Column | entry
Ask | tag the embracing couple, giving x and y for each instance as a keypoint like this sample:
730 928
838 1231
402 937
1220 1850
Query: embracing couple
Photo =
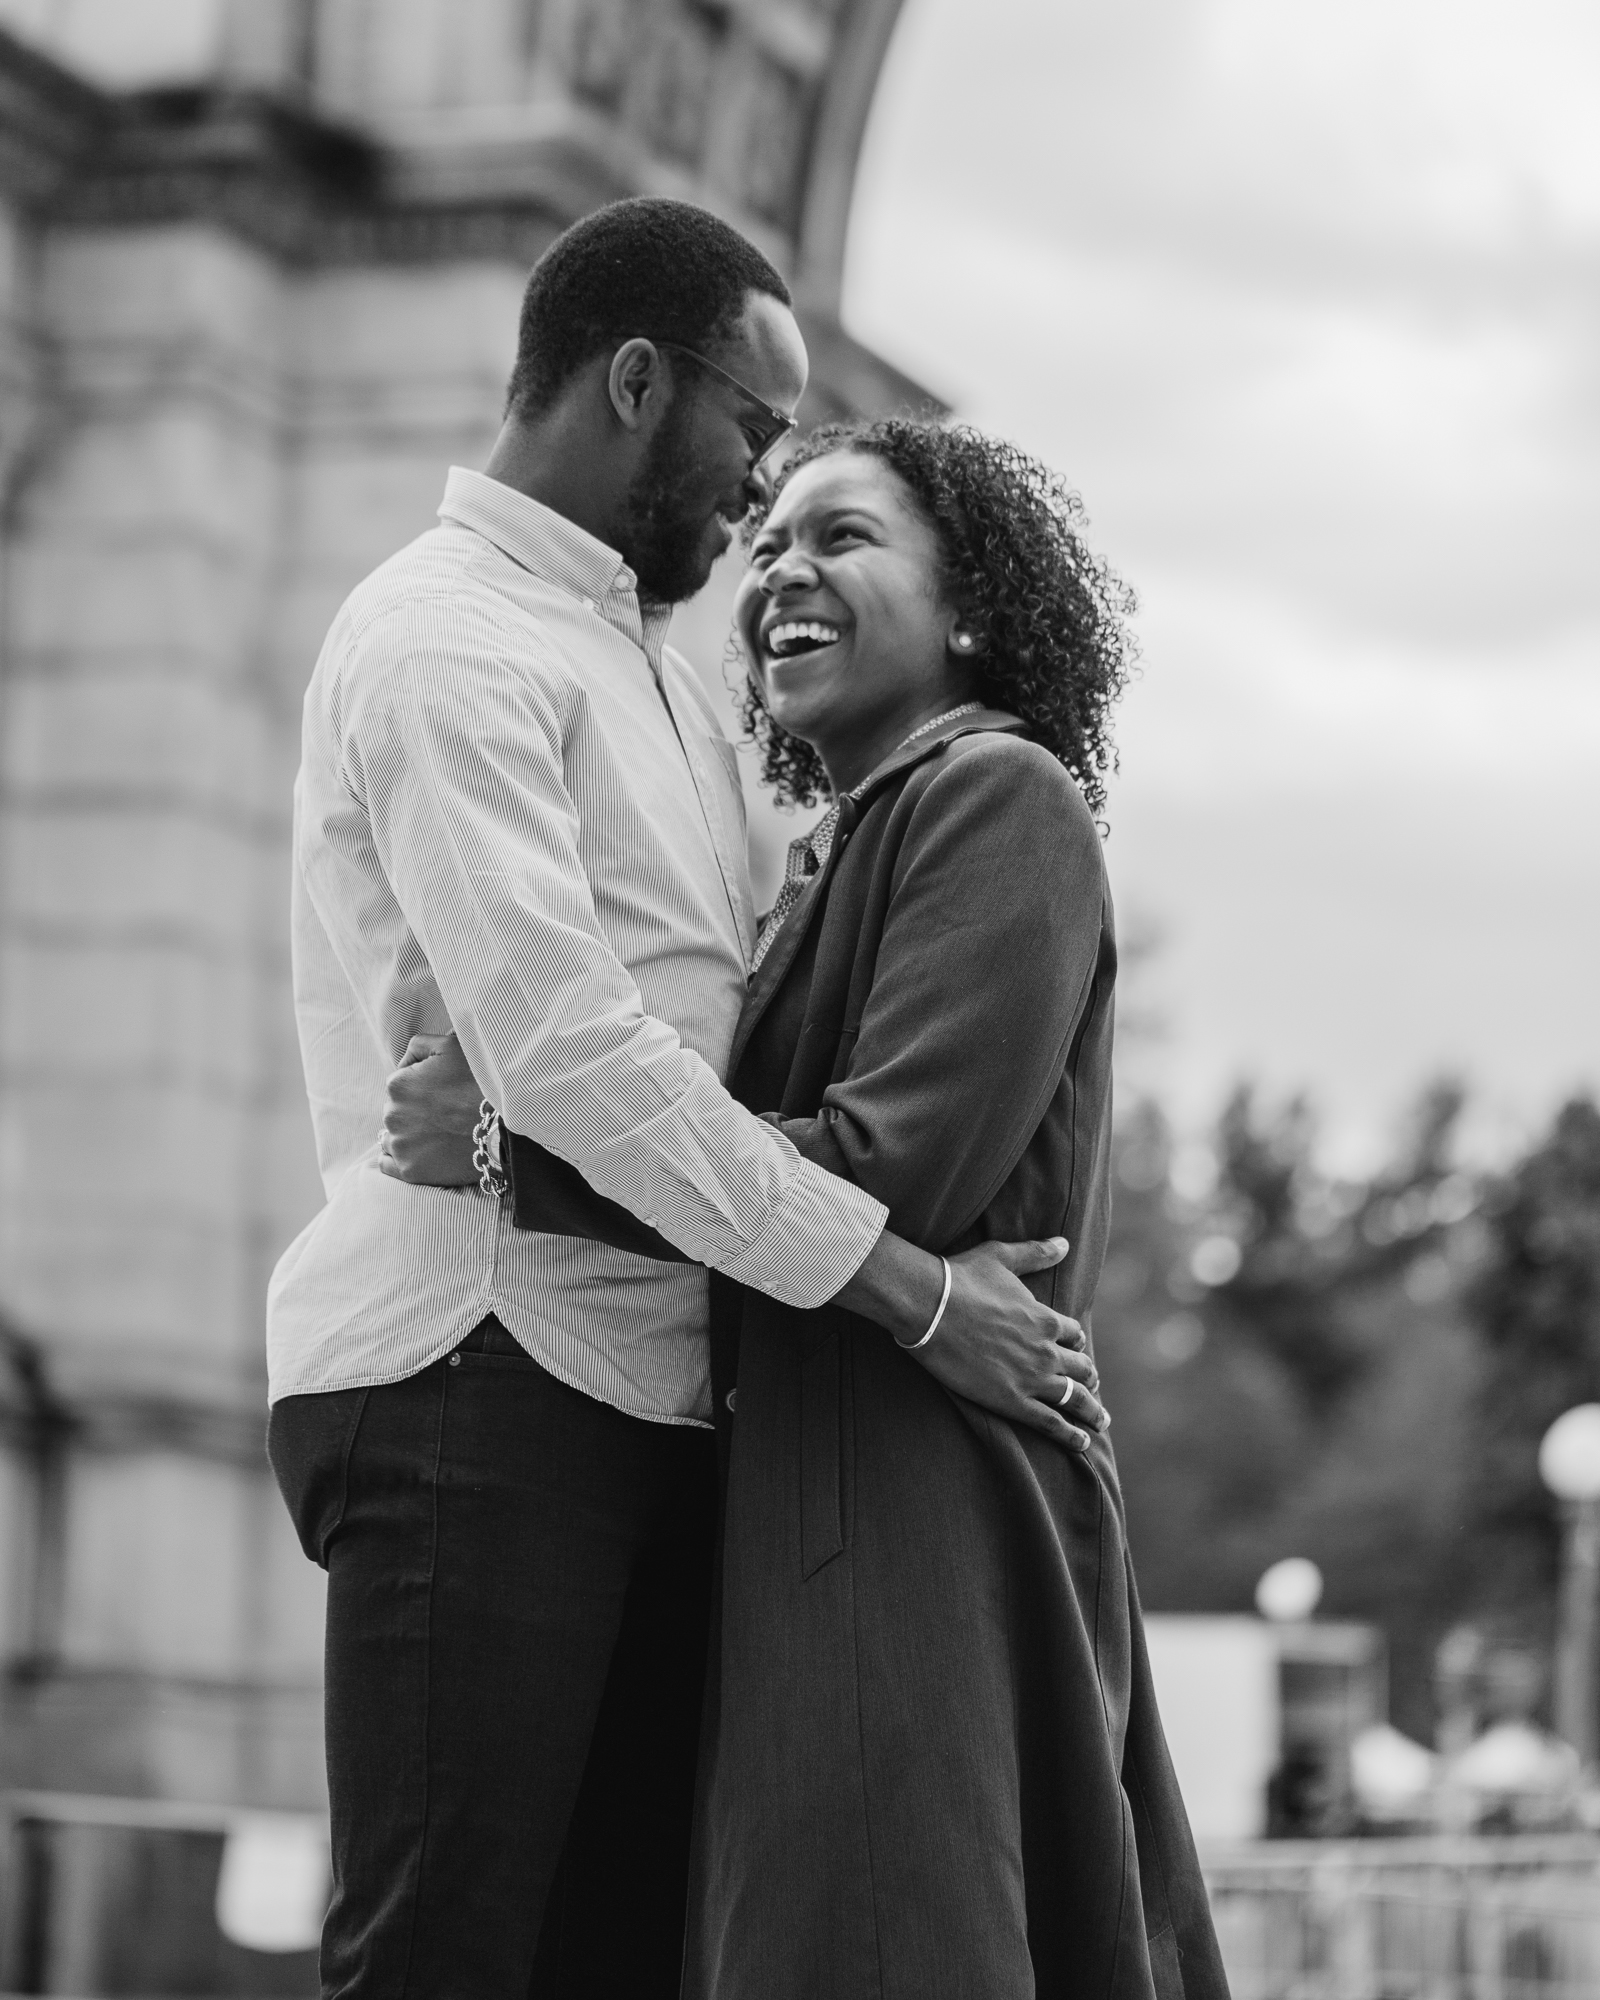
727 1580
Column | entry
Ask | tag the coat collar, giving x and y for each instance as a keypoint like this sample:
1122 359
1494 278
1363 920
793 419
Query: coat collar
923 747
773 969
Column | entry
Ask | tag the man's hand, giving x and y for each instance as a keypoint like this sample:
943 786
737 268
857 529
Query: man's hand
430 1114
996 1344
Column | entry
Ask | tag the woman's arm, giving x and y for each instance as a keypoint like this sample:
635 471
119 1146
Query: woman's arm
987 960
987 963
998 1345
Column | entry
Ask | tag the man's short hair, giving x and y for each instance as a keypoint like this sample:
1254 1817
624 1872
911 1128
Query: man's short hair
664 270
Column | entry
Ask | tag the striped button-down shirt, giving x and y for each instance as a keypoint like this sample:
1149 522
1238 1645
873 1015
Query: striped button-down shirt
516 816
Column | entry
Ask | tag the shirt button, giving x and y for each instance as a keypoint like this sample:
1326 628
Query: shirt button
731 1401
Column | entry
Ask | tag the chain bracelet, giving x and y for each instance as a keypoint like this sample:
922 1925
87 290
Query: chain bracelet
493 1180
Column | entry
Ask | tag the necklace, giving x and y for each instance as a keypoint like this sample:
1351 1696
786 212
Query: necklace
950 714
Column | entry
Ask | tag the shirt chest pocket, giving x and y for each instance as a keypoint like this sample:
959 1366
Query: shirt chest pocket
722 759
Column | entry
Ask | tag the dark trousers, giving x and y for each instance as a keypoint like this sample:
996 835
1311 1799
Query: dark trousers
518 1596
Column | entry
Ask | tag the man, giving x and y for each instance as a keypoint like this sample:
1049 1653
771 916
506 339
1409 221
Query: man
516 818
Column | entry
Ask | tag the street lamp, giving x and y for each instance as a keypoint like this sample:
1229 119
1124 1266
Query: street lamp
1289 1591
1569 1464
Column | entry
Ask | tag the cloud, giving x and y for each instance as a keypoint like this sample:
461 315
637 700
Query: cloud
1302 300
1414 470
1370 124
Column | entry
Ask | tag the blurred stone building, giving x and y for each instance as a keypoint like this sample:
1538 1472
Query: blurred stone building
259 269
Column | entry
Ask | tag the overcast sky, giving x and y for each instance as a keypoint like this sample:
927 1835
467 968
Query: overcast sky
1304 300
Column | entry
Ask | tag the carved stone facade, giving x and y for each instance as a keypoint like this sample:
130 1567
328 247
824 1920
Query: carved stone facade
246 320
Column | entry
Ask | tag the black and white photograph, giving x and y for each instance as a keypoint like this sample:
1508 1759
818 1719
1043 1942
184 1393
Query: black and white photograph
800 999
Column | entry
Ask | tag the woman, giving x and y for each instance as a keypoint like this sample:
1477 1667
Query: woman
932 1764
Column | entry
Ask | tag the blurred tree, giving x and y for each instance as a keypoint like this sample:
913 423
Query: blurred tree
1537 1304
1291 1370
1307 1250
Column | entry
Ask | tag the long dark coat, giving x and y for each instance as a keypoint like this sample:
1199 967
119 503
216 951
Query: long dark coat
933 1765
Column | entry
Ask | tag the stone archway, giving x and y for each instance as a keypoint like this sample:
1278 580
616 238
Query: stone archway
248 318
514 117
845 104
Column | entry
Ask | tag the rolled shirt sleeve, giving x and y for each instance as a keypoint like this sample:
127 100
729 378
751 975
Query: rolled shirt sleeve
451 745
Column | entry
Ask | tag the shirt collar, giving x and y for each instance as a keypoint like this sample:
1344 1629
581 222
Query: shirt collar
535 536
557 551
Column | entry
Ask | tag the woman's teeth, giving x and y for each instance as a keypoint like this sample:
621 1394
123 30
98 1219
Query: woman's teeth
799 636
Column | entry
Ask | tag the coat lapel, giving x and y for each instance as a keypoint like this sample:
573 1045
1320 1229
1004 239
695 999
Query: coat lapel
771 972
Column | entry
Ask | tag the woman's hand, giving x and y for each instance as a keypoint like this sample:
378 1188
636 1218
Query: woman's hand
1023 1361
430 1114
996 1344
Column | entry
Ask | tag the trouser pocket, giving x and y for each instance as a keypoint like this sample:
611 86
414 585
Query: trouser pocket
309 1441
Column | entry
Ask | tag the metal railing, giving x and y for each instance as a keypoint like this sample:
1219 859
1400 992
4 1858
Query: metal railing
1424 1919
130 1896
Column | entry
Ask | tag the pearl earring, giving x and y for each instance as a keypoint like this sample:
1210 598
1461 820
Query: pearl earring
964 641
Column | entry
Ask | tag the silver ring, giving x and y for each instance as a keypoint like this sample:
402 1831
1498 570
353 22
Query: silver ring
1066 1396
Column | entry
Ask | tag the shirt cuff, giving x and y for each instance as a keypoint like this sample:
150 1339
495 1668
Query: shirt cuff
815 1242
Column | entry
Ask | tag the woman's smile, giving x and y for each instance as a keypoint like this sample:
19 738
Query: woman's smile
798 658
843 616
790 636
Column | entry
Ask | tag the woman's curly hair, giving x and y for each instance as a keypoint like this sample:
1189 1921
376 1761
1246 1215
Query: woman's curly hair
1055 617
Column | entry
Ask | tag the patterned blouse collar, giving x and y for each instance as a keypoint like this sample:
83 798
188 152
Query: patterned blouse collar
808 853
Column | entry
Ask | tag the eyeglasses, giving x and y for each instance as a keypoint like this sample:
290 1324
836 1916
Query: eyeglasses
774 426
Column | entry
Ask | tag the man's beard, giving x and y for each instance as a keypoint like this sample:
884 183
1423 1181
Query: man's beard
666 539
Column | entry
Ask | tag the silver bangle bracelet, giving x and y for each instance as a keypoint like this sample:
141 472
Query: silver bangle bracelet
911 1346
